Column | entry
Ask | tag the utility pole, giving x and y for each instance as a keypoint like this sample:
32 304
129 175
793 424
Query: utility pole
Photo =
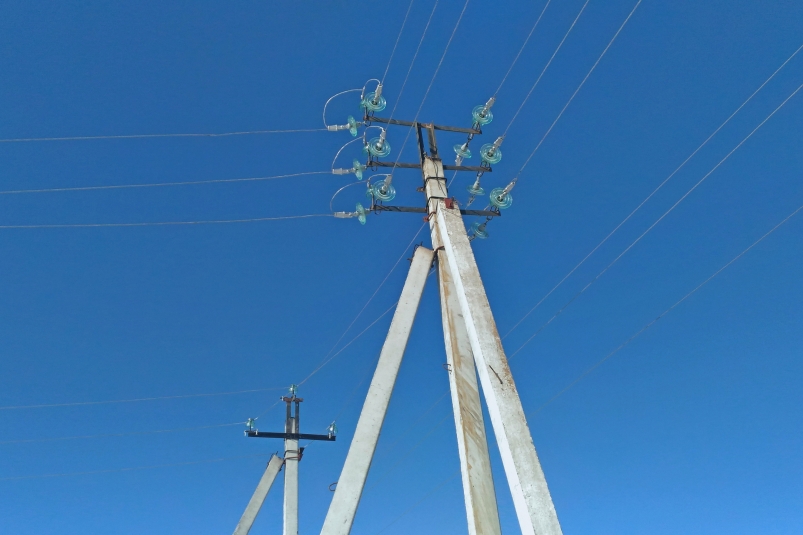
292 456
473 346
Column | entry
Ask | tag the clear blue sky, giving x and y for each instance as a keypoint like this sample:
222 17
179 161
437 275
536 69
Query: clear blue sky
694 427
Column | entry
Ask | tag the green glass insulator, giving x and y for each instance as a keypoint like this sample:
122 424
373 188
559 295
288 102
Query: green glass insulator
500 199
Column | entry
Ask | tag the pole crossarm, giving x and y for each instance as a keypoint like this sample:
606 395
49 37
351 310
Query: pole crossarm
403 165
289 436
422 210
415 124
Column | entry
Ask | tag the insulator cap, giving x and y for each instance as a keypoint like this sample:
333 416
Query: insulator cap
352 126
360 214
500 199
382 191
479 230
378 147
490 153
482 115
374 102
475 189
462 150
357 168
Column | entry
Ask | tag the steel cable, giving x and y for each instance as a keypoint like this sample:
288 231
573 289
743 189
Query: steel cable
163 184
615 260
661 185
548 63
148 136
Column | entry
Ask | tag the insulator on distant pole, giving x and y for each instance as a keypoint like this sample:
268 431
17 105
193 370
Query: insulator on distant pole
332 430
490 153
482 114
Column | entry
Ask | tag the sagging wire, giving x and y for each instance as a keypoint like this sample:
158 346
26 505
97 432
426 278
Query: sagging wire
352 125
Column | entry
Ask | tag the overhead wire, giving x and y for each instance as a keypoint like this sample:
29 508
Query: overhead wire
661 185
398 37
163 223
107 435
161 184
432 81
548 63
129 469
133 400
327 358
621 346
665 312
409 452
527 40
582 83
148 136
638 239
415 55
419 502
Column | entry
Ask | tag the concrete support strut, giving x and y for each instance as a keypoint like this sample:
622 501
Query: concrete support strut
256 501
531 498
472 444
343 508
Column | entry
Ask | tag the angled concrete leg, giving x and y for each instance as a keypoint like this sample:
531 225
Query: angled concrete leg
531 498
343 508
475 462
255 504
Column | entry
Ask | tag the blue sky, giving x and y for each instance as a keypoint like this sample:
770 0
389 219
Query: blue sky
693 427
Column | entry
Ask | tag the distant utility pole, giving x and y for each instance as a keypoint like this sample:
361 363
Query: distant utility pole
292 456
473 345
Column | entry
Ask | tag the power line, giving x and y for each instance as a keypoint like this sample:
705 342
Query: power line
164 223
609 355
107 435
412 426
527 40
163 184
548 63
326 359
419 502
661 185
130 469
665 312
415 55
627 19
615 260
401 30
148 136
133 400
432 81
408 453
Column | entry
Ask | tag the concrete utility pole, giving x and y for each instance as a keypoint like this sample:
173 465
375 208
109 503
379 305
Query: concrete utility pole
343 508
473 348
531 498
292 456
